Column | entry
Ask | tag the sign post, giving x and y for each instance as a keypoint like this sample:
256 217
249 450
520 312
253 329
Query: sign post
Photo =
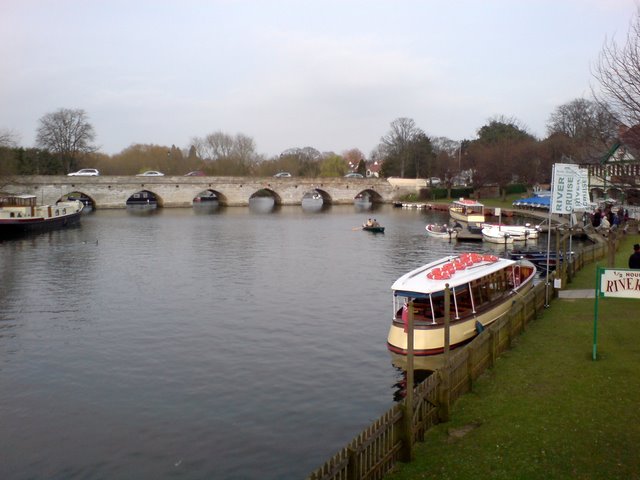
615 283
569 192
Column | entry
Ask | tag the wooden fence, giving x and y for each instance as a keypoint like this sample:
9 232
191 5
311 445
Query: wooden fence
376 450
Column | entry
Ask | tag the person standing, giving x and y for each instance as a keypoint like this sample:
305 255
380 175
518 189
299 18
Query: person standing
634 259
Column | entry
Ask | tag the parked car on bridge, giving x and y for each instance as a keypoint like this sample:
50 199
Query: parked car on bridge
283 175
150 173
85 172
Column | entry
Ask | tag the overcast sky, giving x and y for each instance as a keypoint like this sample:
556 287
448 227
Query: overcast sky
327 74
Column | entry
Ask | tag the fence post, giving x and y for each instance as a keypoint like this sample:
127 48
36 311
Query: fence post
444 397
353 472
492 347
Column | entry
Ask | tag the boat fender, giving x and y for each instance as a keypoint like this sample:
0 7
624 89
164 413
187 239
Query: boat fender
479 327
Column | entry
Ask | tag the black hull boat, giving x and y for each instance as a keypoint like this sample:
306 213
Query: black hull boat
20 215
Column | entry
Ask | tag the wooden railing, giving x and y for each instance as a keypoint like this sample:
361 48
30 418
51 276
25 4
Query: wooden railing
376 450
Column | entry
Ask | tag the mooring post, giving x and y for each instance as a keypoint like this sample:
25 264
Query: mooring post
407 444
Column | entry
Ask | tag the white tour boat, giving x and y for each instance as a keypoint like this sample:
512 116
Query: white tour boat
482 288
468 211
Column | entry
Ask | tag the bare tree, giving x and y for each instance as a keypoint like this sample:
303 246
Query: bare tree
588 124
68 134
397 141
618 73
8 138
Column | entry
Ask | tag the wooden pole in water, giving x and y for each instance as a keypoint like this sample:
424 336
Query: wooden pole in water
445 378
407 454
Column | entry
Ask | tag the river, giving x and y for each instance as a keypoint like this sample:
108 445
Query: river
190 344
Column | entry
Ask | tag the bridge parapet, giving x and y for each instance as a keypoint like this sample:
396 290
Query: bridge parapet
178 191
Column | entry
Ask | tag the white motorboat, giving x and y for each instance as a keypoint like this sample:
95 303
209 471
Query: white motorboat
444 232
518 232
496 235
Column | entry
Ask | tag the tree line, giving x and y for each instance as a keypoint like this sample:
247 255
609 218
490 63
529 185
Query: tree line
581 130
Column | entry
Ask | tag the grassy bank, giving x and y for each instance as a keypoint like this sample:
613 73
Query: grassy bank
547 410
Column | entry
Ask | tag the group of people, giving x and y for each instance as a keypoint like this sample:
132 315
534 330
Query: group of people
372 223
603 221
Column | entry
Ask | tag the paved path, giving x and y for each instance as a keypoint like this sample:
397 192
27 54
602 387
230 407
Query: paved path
577 293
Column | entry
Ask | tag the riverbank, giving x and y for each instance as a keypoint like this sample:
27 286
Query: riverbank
547 410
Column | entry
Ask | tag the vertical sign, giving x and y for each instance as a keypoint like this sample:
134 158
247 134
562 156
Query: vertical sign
569 188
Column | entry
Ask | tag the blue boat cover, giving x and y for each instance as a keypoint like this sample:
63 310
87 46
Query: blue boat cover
535 202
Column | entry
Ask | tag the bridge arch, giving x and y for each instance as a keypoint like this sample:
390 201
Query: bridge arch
79 195
144 197
210 195
267 192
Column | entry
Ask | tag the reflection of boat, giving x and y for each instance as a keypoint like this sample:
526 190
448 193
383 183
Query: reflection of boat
21 214
517 232
496 235
468 211
482 290
444 232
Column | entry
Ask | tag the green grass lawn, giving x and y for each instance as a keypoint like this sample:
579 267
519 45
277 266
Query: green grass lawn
547 410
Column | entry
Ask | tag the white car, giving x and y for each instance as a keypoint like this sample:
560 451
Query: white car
151 173
85 172
282 175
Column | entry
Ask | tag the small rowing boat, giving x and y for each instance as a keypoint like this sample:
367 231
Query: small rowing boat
444 232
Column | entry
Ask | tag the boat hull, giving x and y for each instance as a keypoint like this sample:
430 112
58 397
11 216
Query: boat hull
493 235
21 226
373 229
429 340
449 234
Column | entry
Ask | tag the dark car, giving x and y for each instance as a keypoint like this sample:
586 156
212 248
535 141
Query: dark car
196 173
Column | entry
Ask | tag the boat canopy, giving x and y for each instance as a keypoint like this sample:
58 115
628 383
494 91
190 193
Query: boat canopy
452 270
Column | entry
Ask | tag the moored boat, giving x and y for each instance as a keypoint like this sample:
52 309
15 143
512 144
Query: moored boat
20 214
482 288
468 211
444 232
517 232
496 235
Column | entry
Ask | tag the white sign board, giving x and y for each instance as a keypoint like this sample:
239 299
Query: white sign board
569 188
620 283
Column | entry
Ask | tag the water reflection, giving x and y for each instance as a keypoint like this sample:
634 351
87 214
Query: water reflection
314 203
206 208
262 204
143 210
400 387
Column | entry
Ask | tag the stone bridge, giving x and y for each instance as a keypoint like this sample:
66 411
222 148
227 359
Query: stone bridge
170 191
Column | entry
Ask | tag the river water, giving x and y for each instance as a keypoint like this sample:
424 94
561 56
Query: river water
192 344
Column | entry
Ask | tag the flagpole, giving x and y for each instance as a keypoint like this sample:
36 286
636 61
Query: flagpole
546 285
